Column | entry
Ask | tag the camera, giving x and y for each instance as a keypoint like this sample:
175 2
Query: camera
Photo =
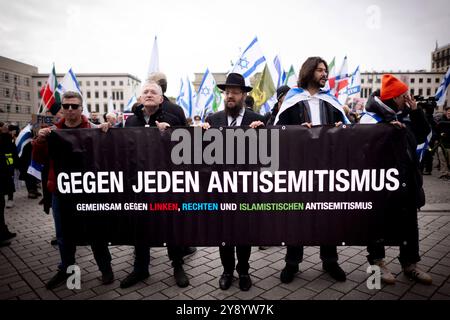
427 104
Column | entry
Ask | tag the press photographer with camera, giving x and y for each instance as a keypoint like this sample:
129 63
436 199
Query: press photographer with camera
443 127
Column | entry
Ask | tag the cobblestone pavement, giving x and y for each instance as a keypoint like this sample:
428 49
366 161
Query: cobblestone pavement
30 261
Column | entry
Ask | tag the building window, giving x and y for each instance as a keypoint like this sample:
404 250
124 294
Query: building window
17 109
437 80
370 80
420 80
121 95
88 95
39 84
96 94
420 91
412 80
97 107
105 94
8 108
428 92
89 107
428 80
6 77
88 83
114 95
378 80
104 83
27 82
412 91
6 93
16 79
113 83
27 96
121 107
80 83
121 83
26 109
96 83
105 107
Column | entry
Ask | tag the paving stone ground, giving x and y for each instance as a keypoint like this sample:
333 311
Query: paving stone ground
30 261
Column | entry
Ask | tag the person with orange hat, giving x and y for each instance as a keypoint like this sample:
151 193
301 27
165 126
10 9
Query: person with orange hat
393 104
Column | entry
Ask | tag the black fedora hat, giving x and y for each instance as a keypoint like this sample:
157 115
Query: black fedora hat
235 80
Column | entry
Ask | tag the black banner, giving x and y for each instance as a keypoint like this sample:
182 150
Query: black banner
285 185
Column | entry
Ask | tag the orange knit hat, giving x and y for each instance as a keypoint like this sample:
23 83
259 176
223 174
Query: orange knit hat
391 87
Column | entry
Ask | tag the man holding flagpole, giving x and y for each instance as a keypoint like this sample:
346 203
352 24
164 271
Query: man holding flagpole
309 106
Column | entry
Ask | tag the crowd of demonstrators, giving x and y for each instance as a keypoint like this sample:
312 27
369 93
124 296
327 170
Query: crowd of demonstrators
427 162
394 105
72 105
7 158
235 114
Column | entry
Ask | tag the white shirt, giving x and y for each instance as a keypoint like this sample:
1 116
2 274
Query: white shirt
238 119
314 106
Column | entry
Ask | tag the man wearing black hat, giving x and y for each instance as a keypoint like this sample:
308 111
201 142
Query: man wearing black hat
234 115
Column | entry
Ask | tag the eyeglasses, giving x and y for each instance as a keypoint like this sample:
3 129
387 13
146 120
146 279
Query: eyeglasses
68 105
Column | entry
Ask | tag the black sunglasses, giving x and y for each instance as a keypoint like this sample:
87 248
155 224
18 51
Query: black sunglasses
68 105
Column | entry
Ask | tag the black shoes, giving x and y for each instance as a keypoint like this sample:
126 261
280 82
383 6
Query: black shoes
188 251
225 281
180 277
58 279
335 271
288 274
133 278
245 283
107 277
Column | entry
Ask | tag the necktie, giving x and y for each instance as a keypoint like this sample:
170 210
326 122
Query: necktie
233 122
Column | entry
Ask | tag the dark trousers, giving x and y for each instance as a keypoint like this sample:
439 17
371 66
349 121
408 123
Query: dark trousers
294 255
409 249
3 227
67 248
142 257
228 260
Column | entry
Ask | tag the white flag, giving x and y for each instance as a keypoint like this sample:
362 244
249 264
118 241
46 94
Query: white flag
186 98
154 60
441 93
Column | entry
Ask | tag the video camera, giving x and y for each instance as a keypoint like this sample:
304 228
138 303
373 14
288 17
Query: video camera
427 104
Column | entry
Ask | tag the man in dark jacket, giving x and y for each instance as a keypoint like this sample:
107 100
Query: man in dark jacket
152 114
393 104
312 111
270 116
234 114
72 104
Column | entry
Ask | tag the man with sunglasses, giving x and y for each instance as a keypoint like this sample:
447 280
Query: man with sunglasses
72 119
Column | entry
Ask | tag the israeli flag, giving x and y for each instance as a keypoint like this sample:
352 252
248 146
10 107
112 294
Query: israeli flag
130 103
205 95
23 139
249 61
355 83
35 169
186 97
296 95
70 83
281 74
442 90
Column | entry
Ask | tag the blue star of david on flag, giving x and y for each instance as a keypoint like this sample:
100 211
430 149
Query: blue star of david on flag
243 63
205 91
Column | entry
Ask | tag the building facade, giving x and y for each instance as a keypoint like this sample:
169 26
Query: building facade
100 90
20 84
422 83
440 58
16 91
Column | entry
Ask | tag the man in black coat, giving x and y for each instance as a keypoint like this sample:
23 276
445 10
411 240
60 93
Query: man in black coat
234 115
151 114
314 111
